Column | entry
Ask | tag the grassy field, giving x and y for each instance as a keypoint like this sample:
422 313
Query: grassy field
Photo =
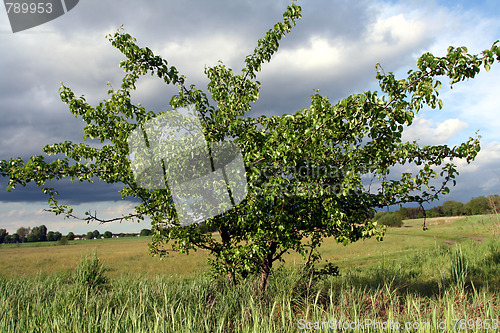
129 255
445 279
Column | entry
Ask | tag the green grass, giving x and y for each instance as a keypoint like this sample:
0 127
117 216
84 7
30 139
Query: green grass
442 274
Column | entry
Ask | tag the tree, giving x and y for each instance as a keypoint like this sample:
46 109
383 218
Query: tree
403 213
453 208
477 206
51 236
3 234
96 234
390 220
38 234
22 232
57 236
108 234
71 235
90 235
494 203
145 232
303 171
16 239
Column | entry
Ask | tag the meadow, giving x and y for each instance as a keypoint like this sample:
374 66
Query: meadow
439 280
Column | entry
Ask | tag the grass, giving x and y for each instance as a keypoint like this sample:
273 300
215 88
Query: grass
122 256
129 255
413 278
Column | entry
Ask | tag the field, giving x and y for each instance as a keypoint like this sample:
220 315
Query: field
442 279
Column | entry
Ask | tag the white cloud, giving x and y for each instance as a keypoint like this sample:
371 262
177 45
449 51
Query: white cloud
430 132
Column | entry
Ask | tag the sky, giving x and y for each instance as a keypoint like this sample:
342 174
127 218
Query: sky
334 48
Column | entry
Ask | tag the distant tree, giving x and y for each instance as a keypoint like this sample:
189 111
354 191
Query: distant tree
494 201
38 234
379 214
430 213
453 208
23 232
96 234
390 220
3 234
70 236
89 235
108 234
438 211
30 238
415 212
8 239
15 238
57 236
145 232
50 236
403 213
477 206
63 240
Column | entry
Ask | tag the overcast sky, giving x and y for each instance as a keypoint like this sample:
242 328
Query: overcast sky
333 48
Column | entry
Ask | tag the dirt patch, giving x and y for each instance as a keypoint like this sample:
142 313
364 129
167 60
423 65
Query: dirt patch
476 238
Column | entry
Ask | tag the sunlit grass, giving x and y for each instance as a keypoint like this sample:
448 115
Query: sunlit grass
129 255
418 277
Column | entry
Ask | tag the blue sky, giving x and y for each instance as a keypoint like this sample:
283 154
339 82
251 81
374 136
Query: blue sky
334 48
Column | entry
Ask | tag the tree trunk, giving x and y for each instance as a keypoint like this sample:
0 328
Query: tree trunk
267 264
226 238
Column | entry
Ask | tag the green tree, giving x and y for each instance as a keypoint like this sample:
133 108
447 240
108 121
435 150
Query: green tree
3 234
494 202
145 232
71 235
429 213
38 234
390 220
303 171
108 234
477 206
16 239
453 208
51 236
96 234
23 232
90 235
403 213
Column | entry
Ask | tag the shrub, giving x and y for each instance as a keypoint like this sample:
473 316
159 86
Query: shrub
390 220
63 241
90 273
378 215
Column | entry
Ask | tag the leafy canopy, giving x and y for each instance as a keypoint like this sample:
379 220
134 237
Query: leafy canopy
314 174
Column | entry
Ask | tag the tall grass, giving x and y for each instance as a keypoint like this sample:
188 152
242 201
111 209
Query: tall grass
427 290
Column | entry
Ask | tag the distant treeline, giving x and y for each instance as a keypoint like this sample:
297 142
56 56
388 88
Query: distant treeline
476 206
40 234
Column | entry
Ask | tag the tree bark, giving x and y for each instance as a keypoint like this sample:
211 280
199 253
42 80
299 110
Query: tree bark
226 238
267 264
